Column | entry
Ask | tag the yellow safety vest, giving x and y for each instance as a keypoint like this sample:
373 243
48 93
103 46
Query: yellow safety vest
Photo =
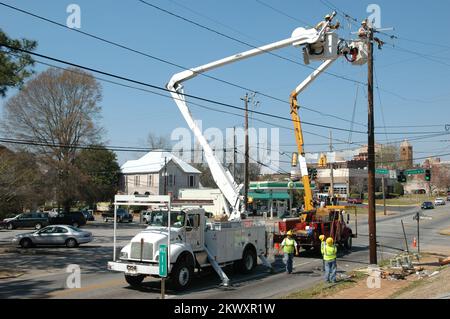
329 252
288 245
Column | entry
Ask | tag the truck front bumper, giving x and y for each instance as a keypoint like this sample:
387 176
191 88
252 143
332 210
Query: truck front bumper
133 268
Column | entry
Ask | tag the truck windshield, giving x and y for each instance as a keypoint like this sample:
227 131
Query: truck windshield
160 218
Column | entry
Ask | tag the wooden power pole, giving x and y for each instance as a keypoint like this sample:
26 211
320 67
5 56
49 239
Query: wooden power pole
246 175
371 156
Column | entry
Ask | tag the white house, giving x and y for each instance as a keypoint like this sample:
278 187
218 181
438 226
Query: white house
157 173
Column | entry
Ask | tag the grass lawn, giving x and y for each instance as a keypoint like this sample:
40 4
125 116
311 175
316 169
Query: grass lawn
322 289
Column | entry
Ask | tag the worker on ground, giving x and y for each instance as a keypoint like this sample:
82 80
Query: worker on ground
329 252
363 33
289 246
322 244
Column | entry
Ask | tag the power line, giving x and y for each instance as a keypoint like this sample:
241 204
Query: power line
283 13
197 97
242 42
167 90
158 59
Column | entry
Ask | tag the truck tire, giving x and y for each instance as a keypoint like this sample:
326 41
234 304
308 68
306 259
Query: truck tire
182 273
348 243
10 226
134 281
248 261
38 226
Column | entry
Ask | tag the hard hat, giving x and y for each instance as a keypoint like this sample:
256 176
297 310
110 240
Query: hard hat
322 237
364 22
327 17
289 233
330 241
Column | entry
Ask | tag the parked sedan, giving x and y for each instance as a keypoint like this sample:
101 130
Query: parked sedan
439 201
427 205
54 235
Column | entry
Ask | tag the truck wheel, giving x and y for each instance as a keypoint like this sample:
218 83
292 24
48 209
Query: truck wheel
75 224
10 226
348 243
248 261
38 226
134 281
105 220
182 275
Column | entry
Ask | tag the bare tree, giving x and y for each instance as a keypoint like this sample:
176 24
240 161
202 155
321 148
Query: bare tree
53 114
158 141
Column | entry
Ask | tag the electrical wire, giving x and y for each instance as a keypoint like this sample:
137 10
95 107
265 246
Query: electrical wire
167 90
158 59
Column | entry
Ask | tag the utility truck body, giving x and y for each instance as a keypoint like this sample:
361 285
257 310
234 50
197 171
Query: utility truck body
195 243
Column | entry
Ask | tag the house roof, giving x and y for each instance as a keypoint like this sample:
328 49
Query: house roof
153 162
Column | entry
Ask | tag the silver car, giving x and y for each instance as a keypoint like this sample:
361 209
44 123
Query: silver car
54 235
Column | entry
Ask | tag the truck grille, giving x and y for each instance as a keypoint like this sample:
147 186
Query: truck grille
147 251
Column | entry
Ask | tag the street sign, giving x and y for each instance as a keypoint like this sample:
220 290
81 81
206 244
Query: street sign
415 171
163 260
382 171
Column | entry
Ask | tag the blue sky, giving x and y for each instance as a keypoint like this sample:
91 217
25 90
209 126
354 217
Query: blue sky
414 77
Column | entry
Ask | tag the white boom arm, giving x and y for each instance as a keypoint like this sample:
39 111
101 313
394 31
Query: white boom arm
221 176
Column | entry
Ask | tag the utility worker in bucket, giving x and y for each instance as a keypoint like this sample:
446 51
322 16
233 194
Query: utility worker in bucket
289 247
329 252
322 244
326 20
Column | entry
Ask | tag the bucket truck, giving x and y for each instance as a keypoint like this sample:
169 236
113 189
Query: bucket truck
195 242
327 220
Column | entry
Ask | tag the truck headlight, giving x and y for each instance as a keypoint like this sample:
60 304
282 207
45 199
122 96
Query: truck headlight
123 255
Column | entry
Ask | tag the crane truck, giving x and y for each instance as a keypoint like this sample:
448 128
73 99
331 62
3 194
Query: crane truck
329 220
195 242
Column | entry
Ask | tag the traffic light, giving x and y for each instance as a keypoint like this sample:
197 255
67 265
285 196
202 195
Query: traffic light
401 178
314 174
428 175
294 160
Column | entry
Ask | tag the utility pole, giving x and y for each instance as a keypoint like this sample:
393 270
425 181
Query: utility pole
246 178
234 153
384 195
331 168
165 175
371 155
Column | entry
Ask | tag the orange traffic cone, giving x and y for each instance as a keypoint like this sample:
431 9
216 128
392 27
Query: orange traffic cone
414 242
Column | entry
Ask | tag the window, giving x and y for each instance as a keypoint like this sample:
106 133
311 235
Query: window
171 181
149 180
191 180
60 230
137 180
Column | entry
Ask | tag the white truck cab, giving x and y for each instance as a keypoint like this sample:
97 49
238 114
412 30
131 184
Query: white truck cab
195 243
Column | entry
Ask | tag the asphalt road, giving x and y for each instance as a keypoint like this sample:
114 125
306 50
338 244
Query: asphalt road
46 267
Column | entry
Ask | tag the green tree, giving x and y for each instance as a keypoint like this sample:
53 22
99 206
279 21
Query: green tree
14 65
98 174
